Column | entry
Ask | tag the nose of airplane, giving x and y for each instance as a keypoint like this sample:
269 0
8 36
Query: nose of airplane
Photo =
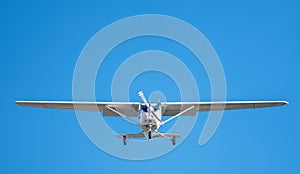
151 109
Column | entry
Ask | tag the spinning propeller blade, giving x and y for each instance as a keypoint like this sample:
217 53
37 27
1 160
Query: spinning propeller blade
141 94
150 108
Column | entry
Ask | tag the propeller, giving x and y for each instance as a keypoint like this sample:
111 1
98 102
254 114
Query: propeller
150 108
141 94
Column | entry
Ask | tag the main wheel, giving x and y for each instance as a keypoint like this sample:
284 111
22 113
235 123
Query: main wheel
125 140
174 140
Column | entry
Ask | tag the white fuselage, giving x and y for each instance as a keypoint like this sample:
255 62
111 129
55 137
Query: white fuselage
150 118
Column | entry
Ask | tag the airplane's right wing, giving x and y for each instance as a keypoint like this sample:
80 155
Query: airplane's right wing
173 108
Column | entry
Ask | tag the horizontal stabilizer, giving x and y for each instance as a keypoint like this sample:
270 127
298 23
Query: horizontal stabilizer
153 136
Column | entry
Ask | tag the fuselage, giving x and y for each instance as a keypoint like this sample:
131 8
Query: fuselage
150 117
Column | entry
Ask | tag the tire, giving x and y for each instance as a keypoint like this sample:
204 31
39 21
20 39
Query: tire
149 135
124 140
174 140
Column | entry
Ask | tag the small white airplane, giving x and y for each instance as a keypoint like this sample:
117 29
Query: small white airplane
150 114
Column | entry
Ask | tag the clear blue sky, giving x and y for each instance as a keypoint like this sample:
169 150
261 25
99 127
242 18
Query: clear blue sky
257 42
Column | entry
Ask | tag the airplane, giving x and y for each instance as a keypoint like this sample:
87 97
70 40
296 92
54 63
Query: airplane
150 114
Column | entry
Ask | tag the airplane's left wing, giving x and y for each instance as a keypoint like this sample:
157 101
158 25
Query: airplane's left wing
128 108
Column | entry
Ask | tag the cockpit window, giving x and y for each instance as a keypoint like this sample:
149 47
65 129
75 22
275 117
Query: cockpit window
144 108
156 108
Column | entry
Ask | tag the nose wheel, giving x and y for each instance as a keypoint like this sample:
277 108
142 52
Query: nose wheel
149 126
149 135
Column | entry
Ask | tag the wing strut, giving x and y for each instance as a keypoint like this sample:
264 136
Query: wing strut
122 115
180 113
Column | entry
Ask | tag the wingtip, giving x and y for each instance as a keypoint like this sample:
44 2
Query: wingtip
17 102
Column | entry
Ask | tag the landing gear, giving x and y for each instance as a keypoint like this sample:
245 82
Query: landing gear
125 139
173 140
149 135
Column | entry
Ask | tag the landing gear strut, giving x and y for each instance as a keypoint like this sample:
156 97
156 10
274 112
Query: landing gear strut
173 140
125 139
149 135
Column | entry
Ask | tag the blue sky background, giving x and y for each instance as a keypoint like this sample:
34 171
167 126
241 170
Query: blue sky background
257 43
